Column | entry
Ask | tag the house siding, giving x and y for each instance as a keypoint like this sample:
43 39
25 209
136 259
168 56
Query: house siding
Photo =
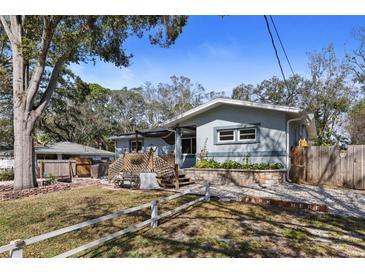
271 143
159 144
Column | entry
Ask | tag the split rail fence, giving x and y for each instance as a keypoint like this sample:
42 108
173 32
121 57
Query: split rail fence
16 247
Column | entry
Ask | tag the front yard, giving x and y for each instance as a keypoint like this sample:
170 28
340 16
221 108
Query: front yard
214 229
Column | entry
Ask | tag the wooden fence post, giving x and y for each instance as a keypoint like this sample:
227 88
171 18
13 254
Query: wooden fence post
207 192
177 182
154 213
17 252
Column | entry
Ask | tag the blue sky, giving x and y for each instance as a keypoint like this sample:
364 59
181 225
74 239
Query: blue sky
221 53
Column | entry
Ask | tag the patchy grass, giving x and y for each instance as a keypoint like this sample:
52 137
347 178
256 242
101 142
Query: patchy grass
214 229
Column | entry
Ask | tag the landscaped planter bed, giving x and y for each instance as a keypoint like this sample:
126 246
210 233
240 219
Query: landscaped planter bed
241 177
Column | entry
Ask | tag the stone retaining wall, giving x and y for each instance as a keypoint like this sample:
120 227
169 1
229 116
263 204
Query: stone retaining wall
240 177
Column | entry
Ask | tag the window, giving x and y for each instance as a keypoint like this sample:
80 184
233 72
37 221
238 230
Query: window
133 146
237 135
226 135
188 145
247 134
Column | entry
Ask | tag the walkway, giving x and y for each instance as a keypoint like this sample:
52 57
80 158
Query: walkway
343 202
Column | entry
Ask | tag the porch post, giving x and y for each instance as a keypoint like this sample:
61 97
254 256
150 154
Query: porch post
136 136
178 159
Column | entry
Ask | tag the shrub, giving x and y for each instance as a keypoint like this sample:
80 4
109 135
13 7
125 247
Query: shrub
204 163
6 175
50 180
231 165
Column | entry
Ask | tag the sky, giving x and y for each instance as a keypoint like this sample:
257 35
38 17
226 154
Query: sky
223 52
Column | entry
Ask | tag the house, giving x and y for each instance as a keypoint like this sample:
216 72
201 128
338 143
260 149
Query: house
6 156
58 151
226 129
68 150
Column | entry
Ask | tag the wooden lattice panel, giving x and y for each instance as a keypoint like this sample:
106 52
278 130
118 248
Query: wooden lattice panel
162 167
116 168
136 163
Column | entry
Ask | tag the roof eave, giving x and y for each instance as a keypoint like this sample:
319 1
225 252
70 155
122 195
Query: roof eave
220 101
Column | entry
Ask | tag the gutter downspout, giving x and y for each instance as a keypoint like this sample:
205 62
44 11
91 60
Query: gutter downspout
287 144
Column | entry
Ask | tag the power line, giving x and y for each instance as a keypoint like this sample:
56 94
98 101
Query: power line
276 52
282 45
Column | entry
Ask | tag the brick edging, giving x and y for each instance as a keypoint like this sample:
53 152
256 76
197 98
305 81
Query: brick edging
17 194
286 204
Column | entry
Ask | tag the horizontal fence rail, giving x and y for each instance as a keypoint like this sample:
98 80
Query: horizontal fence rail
16 247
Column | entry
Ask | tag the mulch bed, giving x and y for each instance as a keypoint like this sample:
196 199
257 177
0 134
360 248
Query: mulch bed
7 192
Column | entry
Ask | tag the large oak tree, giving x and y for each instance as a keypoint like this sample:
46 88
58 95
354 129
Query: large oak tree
41 46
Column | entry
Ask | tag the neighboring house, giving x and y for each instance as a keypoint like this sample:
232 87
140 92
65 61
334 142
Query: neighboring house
58 151
226 129
68 150
6 156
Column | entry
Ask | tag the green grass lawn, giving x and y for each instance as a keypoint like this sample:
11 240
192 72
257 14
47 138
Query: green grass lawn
214 229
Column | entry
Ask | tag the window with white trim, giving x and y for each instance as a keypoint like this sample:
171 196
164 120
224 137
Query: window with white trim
247 134
237 135
226 135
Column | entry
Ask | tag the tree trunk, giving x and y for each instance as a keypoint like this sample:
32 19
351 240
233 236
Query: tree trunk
24 173
24 164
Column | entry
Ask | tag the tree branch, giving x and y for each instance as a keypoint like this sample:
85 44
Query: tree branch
38 71
7 29
49 90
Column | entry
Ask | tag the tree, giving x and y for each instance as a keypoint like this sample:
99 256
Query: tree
356 123
276 91
357 59
6 106
243 92
88 114
329 93
272 91
170 99
41 46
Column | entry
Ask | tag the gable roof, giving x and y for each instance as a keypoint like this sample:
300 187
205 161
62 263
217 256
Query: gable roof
226 101
69 148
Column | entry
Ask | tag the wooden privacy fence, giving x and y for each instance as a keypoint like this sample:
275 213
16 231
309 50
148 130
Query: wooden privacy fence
320 165
16 247
64 169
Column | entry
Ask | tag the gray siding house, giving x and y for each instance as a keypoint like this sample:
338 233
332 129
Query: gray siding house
226 129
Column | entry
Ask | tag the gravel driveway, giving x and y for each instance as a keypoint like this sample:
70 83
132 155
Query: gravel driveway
343 202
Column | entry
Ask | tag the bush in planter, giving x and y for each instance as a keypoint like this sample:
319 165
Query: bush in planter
231 165
277 166
262 166
6 175
205 163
